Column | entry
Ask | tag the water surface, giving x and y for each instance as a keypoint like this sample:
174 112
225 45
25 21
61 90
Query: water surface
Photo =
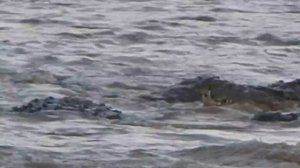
114 51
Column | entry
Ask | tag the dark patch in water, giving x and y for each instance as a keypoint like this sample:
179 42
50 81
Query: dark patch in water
74 35
86 27
273 117
82 62
152 27
125 86
152 9
63 4
222 39
198 18
228 10
36 21
271 39
138 37
8 13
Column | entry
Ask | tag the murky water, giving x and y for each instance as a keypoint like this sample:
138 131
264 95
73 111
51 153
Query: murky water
114 51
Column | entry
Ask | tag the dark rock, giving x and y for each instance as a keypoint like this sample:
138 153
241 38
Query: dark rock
272 117
83 106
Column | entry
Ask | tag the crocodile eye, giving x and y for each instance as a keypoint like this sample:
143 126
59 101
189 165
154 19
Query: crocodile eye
228 101
205 94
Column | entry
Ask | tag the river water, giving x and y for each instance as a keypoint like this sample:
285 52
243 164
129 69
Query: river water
113 51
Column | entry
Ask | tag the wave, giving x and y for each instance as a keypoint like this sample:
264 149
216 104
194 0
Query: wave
244 154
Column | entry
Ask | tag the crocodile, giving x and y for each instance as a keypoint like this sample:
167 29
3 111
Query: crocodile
81 106
213 91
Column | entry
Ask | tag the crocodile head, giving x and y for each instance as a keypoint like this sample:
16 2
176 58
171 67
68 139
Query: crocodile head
215 99
213 91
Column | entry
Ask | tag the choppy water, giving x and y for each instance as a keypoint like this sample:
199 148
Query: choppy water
113 51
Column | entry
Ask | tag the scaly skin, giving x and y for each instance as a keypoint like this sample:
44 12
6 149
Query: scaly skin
82 106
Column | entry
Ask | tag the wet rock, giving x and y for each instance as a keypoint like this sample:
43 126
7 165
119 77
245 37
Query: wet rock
84 107
273 117
215 91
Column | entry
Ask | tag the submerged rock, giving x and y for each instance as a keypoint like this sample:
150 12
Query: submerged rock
272 117
85 107
215 91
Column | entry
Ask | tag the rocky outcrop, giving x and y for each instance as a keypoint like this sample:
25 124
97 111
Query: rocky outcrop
215 91
82 106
